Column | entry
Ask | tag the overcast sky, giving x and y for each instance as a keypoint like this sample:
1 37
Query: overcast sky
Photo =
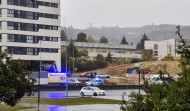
124 13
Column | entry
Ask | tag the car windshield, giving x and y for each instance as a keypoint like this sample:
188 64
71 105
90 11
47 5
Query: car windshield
95 88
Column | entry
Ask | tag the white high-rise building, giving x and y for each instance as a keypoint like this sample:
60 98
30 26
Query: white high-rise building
31 31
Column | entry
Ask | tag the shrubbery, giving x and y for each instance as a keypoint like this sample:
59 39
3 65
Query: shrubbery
168 58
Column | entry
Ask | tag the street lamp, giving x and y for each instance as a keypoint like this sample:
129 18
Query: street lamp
138 71
39 79
66 60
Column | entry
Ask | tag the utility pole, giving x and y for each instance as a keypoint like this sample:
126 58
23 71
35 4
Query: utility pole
66 61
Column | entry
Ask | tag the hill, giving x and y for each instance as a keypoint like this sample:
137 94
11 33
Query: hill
120 70
132 34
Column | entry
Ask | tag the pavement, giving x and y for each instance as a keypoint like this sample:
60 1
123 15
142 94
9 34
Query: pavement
94 107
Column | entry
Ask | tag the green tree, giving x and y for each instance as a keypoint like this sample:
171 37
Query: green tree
109 57
81 37
168 58
82 52
71 48
103 39
146 55
100 57
124 41
166 97
14 83
63 36
140 45
90 39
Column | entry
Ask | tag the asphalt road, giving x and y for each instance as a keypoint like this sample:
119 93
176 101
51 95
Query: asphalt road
111 94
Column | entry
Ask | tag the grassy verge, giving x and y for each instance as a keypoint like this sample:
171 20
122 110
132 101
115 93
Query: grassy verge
9 108
73 101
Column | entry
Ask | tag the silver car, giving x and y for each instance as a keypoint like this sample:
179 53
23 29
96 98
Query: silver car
100 75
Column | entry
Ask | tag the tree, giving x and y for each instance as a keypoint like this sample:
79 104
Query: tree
81 37
14 83
141 44
63 36
103 39
109 57
71 48
90 39
123 41
146 55
100 57
166 97
168 58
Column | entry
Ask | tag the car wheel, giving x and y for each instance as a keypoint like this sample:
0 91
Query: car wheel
108 76
82 94
95 94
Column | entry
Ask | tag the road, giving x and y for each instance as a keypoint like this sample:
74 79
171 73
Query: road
111 94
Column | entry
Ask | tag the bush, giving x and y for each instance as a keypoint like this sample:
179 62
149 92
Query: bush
168 58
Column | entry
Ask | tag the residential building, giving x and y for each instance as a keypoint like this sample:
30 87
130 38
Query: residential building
163 48
30 29
117 50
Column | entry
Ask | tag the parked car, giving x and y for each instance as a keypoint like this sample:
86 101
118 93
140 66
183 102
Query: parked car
85 74
94 82
71 81
92 91
100 75
157 80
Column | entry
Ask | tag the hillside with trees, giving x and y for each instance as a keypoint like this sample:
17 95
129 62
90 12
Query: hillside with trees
132 34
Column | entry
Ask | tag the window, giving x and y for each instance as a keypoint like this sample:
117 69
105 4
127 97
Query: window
0 25
29 51
29 39
19 2
19 26
11 37
10 2
0 12
155 46
155 53
29 15
55 39
18 14
29 3
10 13
29 27
10 25
54 50
0 38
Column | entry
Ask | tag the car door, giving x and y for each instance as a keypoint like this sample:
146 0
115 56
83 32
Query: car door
91 91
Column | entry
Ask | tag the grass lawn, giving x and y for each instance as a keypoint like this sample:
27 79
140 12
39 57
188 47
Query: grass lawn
72 101
9 108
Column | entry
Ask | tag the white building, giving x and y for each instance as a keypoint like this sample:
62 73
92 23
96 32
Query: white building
163 48
31 30
117 50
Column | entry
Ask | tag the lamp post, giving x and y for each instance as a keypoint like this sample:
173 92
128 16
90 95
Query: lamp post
66 61
137 67
39 79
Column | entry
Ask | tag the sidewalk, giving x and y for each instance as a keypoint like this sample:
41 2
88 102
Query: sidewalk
94 107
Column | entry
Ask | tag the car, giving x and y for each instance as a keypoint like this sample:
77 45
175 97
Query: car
100 75
85 74
157 80
92 91
72 81
94 82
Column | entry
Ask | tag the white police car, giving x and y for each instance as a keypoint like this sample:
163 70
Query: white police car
92 91
94 82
